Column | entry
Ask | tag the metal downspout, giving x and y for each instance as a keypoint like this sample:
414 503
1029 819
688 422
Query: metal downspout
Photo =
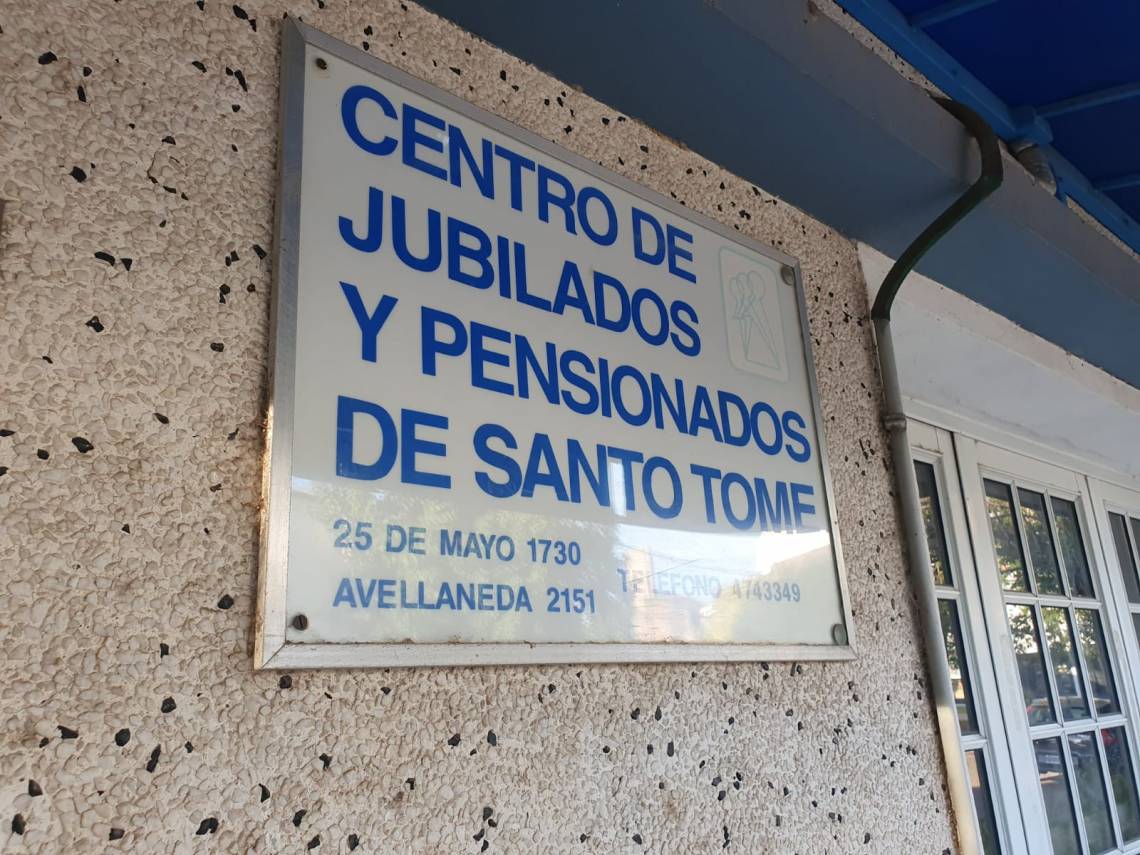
894 419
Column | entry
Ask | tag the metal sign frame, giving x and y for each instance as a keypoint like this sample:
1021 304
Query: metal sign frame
271 649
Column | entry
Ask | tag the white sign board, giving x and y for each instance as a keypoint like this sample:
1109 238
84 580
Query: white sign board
523 409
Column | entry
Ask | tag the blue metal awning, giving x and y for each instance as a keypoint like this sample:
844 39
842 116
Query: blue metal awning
1064 75
780 94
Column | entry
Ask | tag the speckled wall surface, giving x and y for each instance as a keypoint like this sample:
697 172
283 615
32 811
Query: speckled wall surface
137 145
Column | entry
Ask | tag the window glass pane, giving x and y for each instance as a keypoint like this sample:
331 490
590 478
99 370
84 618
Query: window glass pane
1123 781
1135 533
983 803
1040 538
1030 664
956 660
1096 661
1072 548
1055 788
1124 556
1066 671
1007 542
1136 626
932 517
1090 789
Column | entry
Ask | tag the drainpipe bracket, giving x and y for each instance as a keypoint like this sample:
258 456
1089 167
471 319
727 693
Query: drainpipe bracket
894 422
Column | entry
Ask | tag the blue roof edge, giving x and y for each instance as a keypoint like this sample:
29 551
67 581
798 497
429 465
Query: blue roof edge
1023 124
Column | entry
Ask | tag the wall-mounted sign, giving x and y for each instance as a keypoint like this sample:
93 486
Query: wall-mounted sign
523 409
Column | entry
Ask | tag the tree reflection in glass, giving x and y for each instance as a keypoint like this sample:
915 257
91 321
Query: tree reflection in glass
1096 660
1124 555
1135 532
983 804
932 521
1072 548
1066 671
1055 788
959 672
1123 781
1007 542
1039 536
1030 664
1090 788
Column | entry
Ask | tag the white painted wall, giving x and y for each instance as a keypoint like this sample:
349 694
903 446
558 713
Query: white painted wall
964 367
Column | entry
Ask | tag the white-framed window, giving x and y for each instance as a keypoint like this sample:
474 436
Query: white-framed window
1041 608
1125 530
983 757
1118 515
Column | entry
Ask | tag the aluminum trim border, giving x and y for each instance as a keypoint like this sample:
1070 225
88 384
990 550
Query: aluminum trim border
383 655
269 635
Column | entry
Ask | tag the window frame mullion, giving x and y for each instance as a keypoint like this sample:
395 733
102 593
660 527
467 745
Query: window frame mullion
1120 634
1018 737
1110 796
936 448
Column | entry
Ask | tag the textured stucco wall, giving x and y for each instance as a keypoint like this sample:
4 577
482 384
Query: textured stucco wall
137 146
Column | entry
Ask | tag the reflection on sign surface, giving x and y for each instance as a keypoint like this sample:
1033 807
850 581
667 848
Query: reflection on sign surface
531 404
